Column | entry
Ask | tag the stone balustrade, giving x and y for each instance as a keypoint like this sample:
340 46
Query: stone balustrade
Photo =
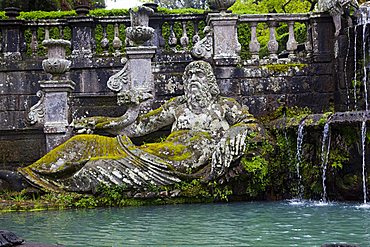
271 21
99 43
105 36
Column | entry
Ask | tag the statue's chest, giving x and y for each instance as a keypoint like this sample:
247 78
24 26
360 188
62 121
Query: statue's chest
208 120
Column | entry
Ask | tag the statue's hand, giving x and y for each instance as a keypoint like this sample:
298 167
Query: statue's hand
231 146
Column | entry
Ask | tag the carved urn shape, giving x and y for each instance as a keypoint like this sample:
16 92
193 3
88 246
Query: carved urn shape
141 16
12 12
140 32
82 7
220 5
56 64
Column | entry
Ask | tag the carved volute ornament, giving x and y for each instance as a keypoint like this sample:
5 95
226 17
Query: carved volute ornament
203 49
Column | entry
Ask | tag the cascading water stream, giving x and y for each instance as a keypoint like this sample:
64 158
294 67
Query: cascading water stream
363 142
364 80
364 20
325 149
345 69
300 135
355 68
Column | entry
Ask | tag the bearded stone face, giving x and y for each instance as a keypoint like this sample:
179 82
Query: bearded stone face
200 85
197 90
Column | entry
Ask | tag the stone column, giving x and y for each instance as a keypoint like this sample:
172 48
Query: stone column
140 65
57 111
12 35
53 111
83 38
134 83
56 93
323 38
225 43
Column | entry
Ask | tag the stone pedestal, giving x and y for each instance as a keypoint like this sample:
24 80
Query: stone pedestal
83 37
322 37
57 113
140 66
12 39
225 42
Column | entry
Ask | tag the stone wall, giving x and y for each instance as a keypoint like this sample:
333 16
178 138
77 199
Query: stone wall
264 86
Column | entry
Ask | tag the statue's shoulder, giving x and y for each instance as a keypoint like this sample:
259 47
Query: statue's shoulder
228 101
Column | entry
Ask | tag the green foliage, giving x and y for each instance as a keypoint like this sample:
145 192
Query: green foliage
204 191
36 15
110 12
256 162
270 6
181 11
244 36
193 189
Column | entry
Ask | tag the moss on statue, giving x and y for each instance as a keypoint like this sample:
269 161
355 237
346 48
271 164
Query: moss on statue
167 150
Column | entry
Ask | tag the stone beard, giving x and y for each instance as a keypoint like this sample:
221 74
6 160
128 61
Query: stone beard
200 86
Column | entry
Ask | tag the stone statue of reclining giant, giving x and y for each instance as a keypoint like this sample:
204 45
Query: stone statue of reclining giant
209 133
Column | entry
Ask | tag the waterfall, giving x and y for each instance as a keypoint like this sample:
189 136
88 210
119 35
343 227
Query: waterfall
325 149
355 68
364 80
364 19
345 68
363 141
300 135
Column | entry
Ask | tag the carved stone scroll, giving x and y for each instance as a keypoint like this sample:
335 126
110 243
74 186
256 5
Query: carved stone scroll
116 81
204 48
36 113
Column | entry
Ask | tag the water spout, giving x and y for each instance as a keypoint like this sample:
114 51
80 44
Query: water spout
363 141
355 68
300 135
364 80
345 69
325 149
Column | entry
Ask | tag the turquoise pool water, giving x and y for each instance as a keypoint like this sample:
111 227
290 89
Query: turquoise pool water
234 224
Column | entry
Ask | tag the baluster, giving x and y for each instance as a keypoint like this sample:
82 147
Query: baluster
272 45
308 44
172 40
47 33
104 43
1 40
196 36
61 32
292 44
254 45
184 40
161 40
34 44
117 43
